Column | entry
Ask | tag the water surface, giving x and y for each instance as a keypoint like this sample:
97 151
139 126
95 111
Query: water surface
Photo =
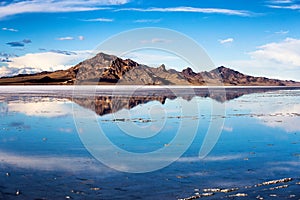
43 157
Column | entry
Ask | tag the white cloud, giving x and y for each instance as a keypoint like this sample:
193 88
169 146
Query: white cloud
70 38
147 20
275 60
290 7
99 20
53 6
81 37
192 9
65 38
9 29
286 52
228 40
281 1
46 61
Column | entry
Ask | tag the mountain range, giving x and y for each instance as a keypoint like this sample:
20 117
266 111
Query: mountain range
107 69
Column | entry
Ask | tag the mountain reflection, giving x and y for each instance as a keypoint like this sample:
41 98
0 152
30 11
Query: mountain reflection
111 103
104 102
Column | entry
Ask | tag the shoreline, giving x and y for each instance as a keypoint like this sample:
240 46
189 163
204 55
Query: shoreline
221 93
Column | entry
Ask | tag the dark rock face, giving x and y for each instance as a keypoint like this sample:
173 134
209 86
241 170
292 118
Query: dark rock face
192 77
109 69
232 77
228 76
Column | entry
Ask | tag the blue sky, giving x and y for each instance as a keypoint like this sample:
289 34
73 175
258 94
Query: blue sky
257 37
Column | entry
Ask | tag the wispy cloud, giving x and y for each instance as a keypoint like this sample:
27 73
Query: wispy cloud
65 38
26 41
156 40
280 1
70 38
9 29
192 9
284 4
290 7
68 53
98 20
54 6
19 43
52 163
225 41
282 32
147 20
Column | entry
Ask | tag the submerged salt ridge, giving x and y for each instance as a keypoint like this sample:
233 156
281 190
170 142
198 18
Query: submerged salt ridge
266 189
42 156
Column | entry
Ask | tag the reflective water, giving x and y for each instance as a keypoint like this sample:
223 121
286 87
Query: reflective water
42 155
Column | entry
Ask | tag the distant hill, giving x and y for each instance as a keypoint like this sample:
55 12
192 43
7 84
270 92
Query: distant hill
106 69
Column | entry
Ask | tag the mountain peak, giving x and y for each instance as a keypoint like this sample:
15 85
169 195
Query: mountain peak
162 67
222 68
188 71
105 56
226 69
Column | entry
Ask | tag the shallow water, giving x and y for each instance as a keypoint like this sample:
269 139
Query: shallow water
44 152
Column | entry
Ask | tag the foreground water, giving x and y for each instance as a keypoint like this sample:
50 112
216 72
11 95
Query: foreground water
43 154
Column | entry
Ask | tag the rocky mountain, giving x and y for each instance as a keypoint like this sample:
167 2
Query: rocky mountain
232 77
109 69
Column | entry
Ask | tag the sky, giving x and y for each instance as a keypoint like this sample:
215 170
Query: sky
255 37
